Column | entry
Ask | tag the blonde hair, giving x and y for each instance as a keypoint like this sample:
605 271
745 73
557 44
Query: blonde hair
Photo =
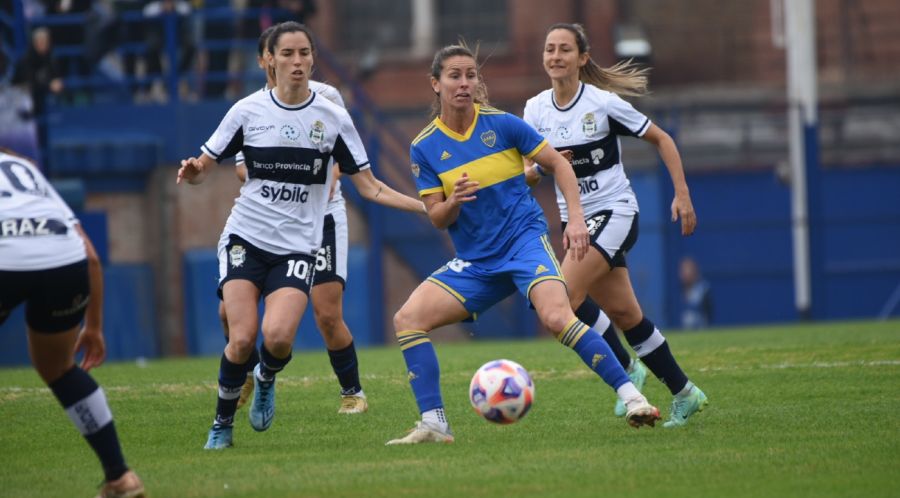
437 65
623 78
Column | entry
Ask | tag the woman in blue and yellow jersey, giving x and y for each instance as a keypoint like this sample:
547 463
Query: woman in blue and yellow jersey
468 169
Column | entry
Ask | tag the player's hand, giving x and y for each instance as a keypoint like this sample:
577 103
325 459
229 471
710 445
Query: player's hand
683 208
575 238
568 154
91 342
190 170
464 190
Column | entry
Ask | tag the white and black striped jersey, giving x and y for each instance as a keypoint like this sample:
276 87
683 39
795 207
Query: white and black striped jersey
37 229
589 126
287 149
336 203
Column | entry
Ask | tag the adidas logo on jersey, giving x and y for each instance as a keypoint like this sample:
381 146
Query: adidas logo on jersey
541 269
445 155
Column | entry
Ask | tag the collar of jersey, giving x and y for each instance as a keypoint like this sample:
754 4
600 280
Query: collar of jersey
312 96
456 136
572 103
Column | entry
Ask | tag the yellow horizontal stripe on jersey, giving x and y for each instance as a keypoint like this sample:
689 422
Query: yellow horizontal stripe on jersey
429 191
537 149
487 171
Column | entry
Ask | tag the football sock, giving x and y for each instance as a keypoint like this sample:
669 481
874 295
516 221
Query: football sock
424 372
436 417
591 314
346 367
594 352
270 365
686 390
628 391
652 348
231 378
85 404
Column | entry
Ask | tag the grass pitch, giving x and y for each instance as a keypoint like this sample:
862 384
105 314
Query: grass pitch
794 411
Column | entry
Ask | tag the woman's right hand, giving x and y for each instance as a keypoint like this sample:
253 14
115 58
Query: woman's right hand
190 171
464 190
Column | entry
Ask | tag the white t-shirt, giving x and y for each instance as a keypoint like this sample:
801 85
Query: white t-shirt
37 229
287 149
590 126
331 93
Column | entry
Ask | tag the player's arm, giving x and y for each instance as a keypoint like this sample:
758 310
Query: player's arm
443 211
90 340
682 207
240 170
534 172
553 163
373 189
195 169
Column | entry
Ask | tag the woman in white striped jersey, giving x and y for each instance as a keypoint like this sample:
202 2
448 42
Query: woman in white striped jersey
583 114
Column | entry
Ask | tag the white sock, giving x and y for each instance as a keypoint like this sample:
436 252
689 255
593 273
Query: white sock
436 418
627 392
686 390
602 323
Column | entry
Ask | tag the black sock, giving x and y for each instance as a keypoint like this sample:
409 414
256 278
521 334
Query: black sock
346 367
611 336
270 365
654 351
86 405
231 378
253 360
589 313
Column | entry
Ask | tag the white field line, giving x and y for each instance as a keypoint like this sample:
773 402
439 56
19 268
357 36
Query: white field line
12 393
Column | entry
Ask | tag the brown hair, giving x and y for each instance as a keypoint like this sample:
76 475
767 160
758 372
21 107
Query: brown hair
289 27
437 65
623 78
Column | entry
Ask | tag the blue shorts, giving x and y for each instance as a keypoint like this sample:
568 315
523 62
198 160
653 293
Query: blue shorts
478 288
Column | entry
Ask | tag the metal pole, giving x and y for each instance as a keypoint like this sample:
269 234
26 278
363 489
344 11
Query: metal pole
800 35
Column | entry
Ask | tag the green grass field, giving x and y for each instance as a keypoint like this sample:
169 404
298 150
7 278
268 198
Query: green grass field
794 411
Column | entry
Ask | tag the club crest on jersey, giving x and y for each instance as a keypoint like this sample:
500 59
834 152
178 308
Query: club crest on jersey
564 133
237 255
290 132
415 170
317 133
489 138
589 125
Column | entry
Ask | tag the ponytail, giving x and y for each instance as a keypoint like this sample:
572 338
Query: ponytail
623 78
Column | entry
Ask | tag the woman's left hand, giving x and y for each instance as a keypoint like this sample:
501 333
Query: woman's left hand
683 208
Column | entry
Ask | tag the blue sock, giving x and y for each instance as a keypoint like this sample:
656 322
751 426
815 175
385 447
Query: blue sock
423 369
86 405
346 367
594 352
589 313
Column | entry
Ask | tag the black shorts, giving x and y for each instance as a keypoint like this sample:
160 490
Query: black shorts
55 299
240 260
331 260
613 232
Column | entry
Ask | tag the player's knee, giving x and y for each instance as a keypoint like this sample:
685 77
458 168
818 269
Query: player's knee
557 319
404 319
327 319
242 345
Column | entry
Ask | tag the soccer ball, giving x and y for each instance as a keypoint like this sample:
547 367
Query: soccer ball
501 391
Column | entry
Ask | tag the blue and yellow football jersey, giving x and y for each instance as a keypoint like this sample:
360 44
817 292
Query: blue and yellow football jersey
490 229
